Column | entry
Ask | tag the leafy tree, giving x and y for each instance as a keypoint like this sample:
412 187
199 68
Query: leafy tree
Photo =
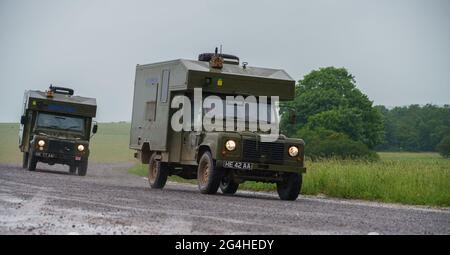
328 98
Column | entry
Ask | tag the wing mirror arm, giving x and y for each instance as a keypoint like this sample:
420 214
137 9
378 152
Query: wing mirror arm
23 119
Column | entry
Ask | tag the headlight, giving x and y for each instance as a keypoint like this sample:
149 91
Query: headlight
81 147
230 145
41 143
293 151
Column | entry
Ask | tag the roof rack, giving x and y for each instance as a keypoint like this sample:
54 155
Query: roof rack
61 90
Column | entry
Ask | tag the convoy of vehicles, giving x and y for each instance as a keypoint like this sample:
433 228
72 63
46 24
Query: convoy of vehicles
56 126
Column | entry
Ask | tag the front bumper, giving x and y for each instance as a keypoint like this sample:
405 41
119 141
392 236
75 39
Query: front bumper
59 150
50 155
58 158
266 167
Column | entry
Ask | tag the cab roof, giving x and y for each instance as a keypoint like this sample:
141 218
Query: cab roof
63 98
250 71
61 103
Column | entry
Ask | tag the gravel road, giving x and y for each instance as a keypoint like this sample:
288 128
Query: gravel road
111 201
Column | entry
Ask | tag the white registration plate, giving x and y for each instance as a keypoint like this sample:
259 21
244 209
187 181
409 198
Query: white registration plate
48 155
237 165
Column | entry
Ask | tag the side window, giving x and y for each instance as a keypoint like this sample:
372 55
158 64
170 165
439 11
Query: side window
150 111
150 106
165 86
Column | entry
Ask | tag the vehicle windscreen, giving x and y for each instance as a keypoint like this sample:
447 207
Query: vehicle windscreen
250 114
60 122
259 112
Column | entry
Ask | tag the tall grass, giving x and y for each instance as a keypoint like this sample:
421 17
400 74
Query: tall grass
424 181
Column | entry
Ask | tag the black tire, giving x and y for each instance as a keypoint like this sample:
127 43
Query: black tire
290 187
82 168
228 185
208 176
157 173
73 169
25 160
32 161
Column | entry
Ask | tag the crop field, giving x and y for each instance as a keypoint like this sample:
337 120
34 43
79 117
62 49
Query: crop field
399 177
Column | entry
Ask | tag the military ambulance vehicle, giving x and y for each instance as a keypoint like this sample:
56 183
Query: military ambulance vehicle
55 128
216 159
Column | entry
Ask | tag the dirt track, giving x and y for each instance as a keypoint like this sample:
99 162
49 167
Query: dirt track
111 201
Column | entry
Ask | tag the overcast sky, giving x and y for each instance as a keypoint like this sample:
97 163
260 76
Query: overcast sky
399 51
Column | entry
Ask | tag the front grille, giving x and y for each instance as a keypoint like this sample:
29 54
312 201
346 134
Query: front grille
254 151
61 147
250 149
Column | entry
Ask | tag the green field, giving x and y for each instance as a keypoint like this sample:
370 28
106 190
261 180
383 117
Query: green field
408 178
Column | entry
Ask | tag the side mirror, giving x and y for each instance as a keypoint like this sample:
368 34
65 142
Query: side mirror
23 119
292 116
95 128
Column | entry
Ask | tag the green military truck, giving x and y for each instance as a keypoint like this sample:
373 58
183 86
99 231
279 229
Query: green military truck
55 128
215 158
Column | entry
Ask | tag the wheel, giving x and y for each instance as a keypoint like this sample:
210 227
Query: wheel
289 188
228 185
32 161
25 160
157 173
82 167
73 169
208 176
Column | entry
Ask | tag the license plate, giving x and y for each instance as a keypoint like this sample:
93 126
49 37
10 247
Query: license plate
48 155
238 165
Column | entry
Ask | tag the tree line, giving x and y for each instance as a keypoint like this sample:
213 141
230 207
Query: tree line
414 127
337 120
